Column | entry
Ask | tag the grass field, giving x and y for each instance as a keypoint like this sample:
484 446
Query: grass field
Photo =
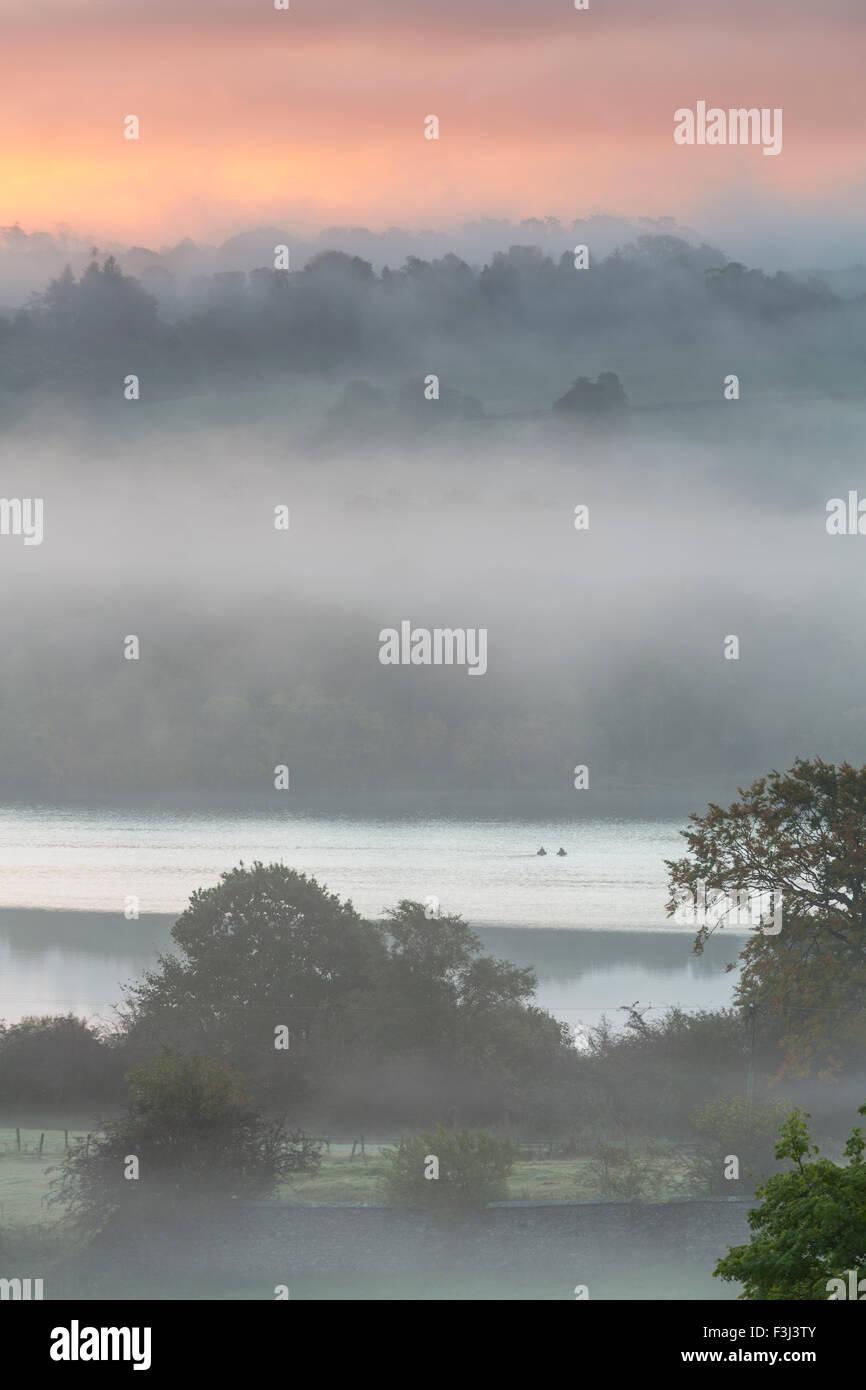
30 1236
342 1179
25 1178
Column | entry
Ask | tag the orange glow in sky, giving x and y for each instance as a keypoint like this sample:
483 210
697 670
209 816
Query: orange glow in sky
315 115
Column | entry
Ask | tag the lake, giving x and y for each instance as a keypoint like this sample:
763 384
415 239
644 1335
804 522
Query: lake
592 923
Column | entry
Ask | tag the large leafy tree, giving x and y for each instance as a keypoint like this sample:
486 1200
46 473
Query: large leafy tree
270 949
810 1227
267 947
802 835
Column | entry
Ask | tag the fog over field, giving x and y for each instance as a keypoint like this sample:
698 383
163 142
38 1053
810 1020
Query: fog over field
706 517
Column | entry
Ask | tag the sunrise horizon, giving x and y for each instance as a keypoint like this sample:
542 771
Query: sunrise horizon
318 116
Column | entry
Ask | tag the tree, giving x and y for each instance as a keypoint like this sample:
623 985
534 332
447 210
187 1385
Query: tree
270 950
264 936
59 298
603 399
802 835
445 999
267 949
811 1225
57 1060
104 307
192 1136
454 1172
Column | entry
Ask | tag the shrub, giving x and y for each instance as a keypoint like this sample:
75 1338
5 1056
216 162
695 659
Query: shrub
619 1172
193 1137
731 1129
473 1169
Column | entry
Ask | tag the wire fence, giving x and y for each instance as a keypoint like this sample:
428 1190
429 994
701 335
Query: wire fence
48 1142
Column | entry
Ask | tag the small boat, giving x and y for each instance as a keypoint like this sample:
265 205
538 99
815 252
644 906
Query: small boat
542 850
561 852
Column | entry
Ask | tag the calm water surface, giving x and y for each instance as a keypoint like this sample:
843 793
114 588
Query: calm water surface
593 923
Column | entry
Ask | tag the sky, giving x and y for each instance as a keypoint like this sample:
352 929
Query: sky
315 115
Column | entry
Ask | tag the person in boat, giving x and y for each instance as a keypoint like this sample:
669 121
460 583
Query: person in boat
561 851
542 850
